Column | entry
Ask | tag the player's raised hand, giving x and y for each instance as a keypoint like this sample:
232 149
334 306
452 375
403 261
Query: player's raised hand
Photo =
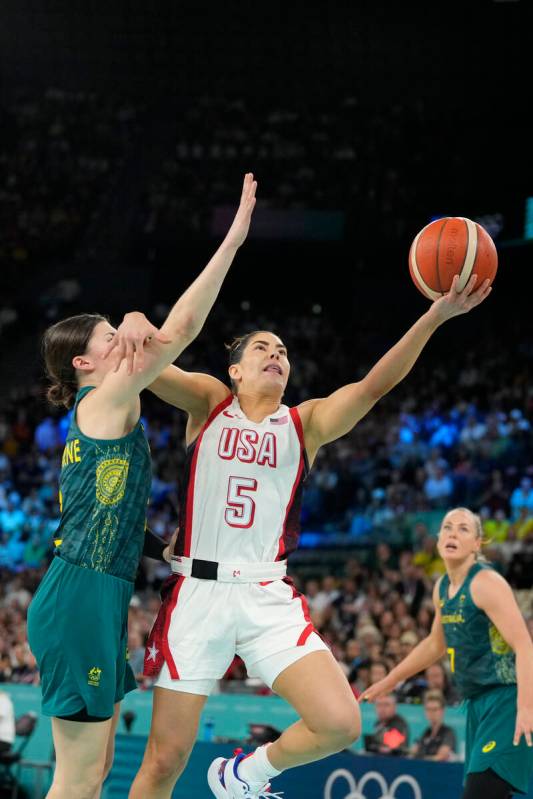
457 302
129 341
524 725
238 231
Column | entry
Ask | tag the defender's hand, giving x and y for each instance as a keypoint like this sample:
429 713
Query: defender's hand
169 549
129 341
524 725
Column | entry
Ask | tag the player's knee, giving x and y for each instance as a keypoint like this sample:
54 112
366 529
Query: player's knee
84 786
165 762
342 727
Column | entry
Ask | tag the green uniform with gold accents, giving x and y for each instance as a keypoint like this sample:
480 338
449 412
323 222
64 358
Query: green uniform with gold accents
483 666
77 620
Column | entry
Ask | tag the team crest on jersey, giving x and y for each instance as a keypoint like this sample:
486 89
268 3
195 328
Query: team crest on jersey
94 675
489 747
462 598
111 476
498 644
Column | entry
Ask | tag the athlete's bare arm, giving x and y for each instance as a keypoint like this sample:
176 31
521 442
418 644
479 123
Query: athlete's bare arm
327 419
423 655
194 392
121 387
494 596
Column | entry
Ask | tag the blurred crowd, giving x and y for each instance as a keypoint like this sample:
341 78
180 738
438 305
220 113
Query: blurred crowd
438 440
59 153
337 155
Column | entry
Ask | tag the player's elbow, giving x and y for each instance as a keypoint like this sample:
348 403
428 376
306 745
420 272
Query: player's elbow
438 646
373 389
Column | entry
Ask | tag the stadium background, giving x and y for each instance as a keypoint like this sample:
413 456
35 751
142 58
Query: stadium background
124 133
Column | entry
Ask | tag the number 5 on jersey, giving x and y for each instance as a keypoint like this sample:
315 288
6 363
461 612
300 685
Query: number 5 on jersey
240 508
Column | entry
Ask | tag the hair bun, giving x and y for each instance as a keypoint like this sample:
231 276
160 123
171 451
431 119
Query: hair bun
61 395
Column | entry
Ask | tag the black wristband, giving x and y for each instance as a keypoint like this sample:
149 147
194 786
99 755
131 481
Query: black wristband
153 546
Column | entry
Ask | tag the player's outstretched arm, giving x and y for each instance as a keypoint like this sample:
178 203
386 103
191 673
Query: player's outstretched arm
423 655
327 419
492 594
193 392
142 351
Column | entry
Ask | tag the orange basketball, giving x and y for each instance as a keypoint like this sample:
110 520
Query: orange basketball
451 246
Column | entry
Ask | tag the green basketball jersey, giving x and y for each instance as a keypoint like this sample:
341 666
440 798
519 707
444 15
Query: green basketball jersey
479 656
104 492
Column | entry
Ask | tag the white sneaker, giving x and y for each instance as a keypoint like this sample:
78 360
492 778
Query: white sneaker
224 781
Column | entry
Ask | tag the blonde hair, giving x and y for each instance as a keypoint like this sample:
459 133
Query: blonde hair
478 527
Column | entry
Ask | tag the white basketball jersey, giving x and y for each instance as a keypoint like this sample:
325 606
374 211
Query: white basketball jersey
242 488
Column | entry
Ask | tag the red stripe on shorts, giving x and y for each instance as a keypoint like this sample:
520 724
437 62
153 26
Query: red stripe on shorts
168 617
310 628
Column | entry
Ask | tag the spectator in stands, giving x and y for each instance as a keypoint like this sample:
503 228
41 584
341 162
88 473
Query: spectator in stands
496 527
391 732
46 435
438 488
437 680
428 558
437 742
411 586
522 497
378 671
522 528
7 722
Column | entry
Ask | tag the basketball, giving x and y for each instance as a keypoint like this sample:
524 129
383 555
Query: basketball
447 247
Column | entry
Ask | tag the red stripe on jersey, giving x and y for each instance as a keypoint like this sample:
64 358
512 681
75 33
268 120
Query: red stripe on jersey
190 488
295 416
168 617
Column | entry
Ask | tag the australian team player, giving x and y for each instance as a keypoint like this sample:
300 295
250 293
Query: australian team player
248 455
77 621
478 623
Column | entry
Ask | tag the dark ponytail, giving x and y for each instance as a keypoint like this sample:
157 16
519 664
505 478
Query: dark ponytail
61 343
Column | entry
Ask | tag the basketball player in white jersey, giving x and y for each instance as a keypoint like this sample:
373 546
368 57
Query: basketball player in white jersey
248 455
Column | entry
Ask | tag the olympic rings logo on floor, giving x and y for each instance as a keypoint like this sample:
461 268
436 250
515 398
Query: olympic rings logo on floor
356 790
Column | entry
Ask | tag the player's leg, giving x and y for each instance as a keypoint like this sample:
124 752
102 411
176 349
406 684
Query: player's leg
330 720
174 728
110 749
318 690
80 749
482 784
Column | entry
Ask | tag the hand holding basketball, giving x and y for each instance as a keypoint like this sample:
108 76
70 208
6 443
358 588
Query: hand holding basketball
457 302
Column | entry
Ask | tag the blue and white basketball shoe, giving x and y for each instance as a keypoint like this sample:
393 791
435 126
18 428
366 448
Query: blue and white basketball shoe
224 781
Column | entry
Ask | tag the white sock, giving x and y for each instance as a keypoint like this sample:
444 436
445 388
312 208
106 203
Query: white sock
256 769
